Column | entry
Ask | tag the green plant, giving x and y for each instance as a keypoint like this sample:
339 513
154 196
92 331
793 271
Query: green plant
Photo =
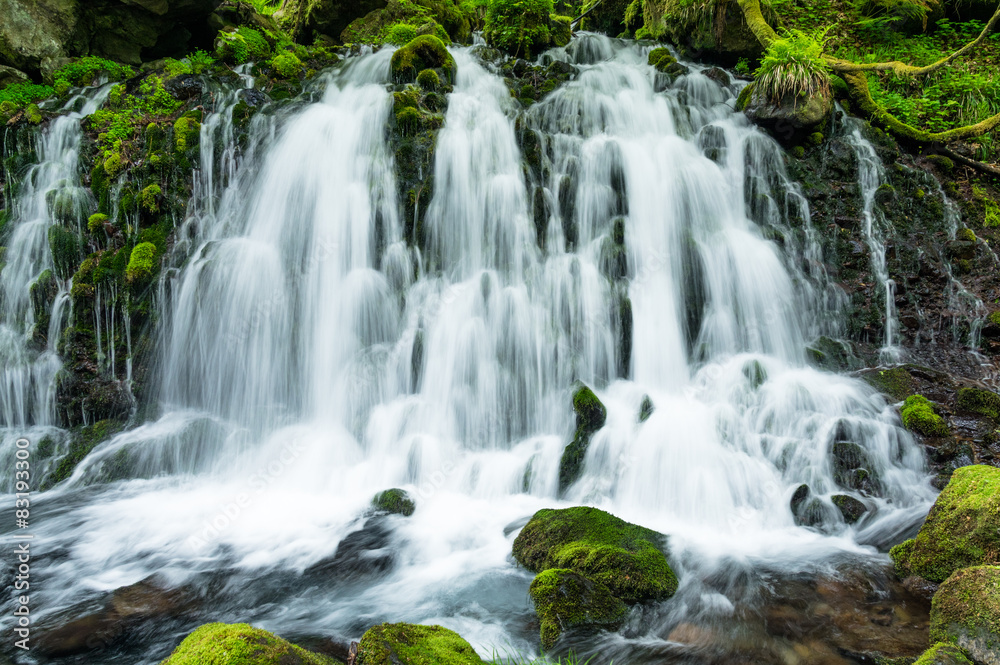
400 34
141 262
87 71
286 65
96 222
242 45
742 67
793 66
19 95
519 27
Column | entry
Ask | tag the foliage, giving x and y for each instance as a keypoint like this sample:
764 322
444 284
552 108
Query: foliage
96 222
196 63
519 27
242 45
286 65
141 262
149 198
265 7
424 52
793 66
88 71
395 501
742 67
400 34
19 95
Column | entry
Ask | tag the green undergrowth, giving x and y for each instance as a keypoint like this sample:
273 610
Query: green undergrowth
400 21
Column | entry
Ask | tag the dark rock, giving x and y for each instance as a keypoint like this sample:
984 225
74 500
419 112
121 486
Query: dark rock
9 76
361 553
852 468
792 119
849 507
310 18
646 409
567 600
720 76
184 87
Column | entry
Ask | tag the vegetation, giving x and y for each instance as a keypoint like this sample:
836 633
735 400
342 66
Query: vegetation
391 643
240 644
793 66
918 416
966 611
424 52
943 653
518 27
565 599
142 262
395 501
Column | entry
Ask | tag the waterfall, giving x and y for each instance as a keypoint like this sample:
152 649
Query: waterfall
311 357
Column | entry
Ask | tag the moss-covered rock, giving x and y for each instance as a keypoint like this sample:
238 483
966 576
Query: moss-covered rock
590 417
518 27
663 61
897 382
565 600
900 555
240 644
397 643
560 29
793 119
918 416
966 611
628 559
395 501
141 262
979 401
424 52
962 528
853 468
851 508
943 654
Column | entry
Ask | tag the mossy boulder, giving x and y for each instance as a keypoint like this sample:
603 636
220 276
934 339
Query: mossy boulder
394 501
560 29
240 644
979 401
628 559
897 382
962 528
918 416
424 52
850 508
853 467
664 62
792 120
966 611
397 643
565 600
943 653
590 417
518 27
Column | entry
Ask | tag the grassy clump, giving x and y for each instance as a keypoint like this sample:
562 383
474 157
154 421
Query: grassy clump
240 644
918 416
793 67
518 27
392 643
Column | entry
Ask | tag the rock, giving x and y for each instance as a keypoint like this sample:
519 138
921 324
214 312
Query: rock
424 52
35 34
943 654
10 76
897 383
590 417
918 416
979 401
187 86
832 354
361 553
561 29
628 559
720 76
791 120
805 510
395 643
664 62
646 409
852 468
755 373
961 530
394 501
966 611
961 249
849 507
306 19
243 644
565 600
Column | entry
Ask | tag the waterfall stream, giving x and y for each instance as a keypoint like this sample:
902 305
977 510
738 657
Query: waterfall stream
311 358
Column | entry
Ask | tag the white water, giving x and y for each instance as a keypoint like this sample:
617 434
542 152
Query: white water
312 359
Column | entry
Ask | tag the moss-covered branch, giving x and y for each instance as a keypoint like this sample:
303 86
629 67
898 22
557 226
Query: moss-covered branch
754 16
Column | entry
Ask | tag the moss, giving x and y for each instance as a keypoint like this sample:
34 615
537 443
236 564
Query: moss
113 165
409 120
900 555
943 654
240 644
399 34
149 198
286 65
80 446
394 643
32 114
424 52
65 248
394 501
896 383
744 98
518 27
628 559
186 133
428 79
850 508
977 400
918 416
962 528
966 611
816 138
96 222
241 45
590 417
799 152
560 29
966 235
565 599
994 318
141 263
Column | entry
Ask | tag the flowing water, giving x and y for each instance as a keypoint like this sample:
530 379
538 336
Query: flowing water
312 358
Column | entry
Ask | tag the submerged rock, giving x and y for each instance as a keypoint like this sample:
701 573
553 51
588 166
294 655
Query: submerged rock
590 417
961 530
398 643
966 612
565 600
241 644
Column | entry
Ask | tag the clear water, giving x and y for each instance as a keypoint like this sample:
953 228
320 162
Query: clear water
311 359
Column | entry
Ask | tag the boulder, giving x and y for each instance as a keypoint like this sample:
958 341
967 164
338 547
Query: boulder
849 507
792 119
394 643
423 53
566 600
961 530
10 76
943 654
307 19
918 416
394 501
853 468
243 644
628 559
590 417
966 612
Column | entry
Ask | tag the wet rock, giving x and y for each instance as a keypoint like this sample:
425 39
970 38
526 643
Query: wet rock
310 18
961 249
225 643
395 502
567 600
10 76
943 654
807 510
394 643
852 468
792 119
664 62
966 612
590 417
646 409
362 553
718 75
849 507
831 354
187 86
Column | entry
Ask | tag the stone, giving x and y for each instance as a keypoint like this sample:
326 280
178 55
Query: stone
966 612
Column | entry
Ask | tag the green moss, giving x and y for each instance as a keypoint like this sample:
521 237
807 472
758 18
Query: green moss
518 27
113 165
80 446
141 263
565 599
394 501
149 198
240 644
409 120
965 234
966 611
241 45
962 528
428 79
424 52
943 654
89 70
65 248
918 416
32 114
900 555
744 97
96 221
977 400
286 65
994 318
187 131
560 29
816 138
590 417
398 643
626 558
399 34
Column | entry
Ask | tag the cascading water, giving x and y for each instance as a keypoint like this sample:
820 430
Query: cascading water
312 358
